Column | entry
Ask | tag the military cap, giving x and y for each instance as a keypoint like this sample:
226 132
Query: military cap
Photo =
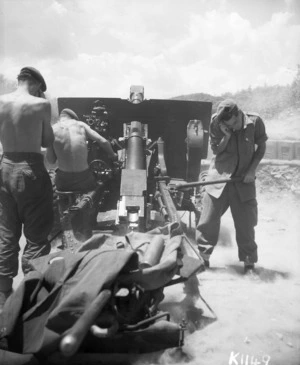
226 109
35 74
70 113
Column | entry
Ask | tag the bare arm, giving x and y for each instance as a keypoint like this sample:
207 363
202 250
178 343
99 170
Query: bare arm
50 155
47 131
104 143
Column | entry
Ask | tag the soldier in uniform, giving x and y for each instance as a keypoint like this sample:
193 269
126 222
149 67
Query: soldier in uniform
238 141
25 186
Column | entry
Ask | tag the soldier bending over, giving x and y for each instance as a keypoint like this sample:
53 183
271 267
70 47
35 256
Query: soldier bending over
238 141
71 153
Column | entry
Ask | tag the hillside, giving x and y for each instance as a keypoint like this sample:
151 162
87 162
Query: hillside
279 106
284 126
274 104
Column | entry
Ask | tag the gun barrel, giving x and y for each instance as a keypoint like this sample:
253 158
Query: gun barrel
135 148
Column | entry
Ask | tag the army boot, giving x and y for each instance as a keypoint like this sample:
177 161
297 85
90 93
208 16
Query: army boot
248 265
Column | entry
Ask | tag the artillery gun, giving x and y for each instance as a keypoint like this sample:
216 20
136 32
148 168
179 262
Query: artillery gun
136 244
160 145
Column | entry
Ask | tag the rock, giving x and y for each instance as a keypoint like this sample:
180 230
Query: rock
295 190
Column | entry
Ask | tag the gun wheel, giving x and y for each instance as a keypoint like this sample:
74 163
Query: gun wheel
100 169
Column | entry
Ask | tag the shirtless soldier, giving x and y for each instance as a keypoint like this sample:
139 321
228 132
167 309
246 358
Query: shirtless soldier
25 186
73 174
70 151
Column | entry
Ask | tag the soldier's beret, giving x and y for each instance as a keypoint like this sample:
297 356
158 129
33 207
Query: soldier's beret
70 113
225 109
34 73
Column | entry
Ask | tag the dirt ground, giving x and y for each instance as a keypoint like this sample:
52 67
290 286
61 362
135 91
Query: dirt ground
258 317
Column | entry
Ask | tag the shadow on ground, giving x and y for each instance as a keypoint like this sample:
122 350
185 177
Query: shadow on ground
263 274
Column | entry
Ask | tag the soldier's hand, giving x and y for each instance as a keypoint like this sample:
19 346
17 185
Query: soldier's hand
225 129
249 177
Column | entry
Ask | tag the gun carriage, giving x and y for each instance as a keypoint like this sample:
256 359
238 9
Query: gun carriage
159 143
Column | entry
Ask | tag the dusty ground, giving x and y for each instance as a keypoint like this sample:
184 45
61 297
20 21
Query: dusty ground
258 318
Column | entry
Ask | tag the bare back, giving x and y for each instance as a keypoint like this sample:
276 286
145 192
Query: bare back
24 123
70 146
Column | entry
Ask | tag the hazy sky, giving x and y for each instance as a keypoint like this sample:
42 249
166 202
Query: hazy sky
172 47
